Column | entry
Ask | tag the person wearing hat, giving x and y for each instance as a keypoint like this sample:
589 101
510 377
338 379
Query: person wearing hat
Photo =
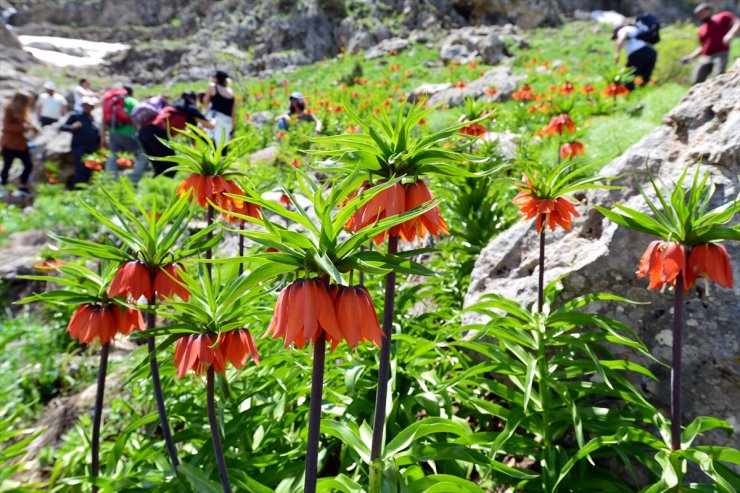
85 137
715 36
51 106
297 112
123 136
222 103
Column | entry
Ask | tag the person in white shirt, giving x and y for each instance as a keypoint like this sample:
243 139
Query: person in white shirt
81 92
641 56
51 106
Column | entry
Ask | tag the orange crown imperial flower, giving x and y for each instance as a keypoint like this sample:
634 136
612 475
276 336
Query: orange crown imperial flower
474 129
663 262
209 188
395 200
571 149
524 93
710 260
134 278
198 352
614 89
92 321
566 89
558 125
554 211
309 308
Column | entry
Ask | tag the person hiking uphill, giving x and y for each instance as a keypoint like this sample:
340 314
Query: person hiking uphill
85 138
297 112
172 119
715 36
117 107
222 107
641 56
16 128
51 106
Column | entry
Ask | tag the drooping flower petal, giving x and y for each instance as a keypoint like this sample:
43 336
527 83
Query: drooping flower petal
168 283
133 278
710 260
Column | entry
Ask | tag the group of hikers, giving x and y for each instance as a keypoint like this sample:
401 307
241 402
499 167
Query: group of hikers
716 33
141 128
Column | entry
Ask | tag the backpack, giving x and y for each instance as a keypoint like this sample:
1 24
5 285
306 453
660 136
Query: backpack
648 26
146 111
114 107
170 118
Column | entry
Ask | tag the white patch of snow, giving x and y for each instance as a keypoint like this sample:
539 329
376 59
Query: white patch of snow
94 52
608 17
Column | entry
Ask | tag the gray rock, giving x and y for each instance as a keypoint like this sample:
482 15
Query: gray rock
277 61
360 41
262 118
266 155
492 50
387 47
7 38
507 142
598 256
380 32
499 78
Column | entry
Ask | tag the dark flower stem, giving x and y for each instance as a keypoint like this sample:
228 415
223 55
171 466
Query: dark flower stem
381 395
678 310
541 273
158 395
98 413
215 433
314 415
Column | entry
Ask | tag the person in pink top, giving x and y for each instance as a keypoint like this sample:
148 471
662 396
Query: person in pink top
715 36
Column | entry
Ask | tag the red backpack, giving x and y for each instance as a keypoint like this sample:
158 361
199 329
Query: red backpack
171 119
114 107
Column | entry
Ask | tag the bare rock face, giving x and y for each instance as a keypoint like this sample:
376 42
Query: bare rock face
598 256
498 78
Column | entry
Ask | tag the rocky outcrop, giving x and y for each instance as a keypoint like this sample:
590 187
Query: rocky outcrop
495 85
598 256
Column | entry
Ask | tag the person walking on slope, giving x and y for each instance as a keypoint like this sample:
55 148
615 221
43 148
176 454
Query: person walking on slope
51 106
641 56
715 36
222 107
85 138
123 137
16 128
81 92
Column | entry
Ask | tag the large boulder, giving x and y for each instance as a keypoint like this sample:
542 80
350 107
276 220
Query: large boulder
487 42
500 79
598 256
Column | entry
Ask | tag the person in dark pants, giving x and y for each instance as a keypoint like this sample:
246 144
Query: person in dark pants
85 138
16 126
641 56
173 118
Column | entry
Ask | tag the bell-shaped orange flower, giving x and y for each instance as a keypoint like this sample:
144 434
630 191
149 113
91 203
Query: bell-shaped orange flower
304 311
431 221
663 261
356 316
168 283
133 278
570 150
614 89
237 346
198 352
558 125
524 93
474 129
710 260
207 187
389 202
243 207
566 88
91 321
553 211
588 89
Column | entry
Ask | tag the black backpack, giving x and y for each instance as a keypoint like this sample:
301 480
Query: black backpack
648 26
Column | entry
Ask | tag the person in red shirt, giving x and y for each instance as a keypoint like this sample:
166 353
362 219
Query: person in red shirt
715 35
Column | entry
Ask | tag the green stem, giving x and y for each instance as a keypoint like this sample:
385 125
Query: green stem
209 252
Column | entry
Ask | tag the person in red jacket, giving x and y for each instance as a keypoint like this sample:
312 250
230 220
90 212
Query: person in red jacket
16 129
715 36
